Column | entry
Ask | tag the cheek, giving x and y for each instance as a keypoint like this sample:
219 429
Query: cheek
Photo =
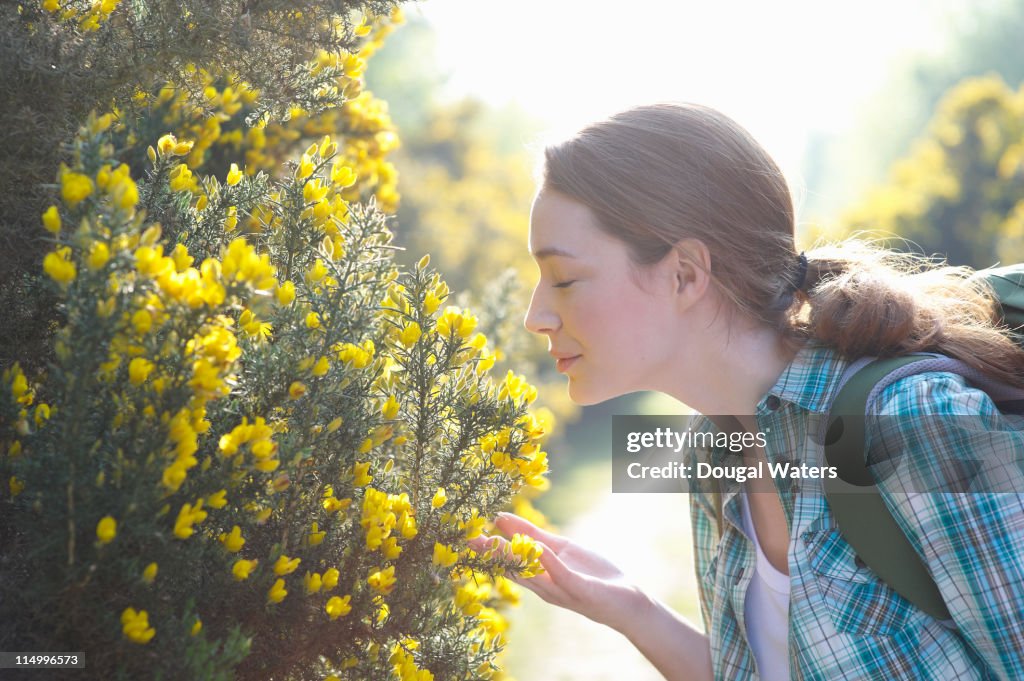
633 315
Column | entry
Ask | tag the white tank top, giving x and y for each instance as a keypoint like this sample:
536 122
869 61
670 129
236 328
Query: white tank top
766 610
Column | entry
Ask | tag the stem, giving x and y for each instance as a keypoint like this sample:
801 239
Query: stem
71 516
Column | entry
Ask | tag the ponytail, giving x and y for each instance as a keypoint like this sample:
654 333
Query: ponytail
864 299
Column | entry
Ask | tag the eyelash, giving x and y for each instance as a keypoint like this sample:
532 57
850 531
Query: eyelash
565 284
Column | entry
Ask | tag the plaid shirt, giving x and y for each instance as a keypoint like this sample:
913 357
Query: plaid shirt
845 623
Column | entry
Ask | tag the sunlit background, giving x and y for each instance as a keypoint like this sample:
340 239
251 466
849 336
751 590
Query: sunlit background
874 111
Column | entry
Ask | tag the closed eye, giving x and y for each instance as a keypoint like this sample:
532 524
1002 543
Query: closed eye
565 284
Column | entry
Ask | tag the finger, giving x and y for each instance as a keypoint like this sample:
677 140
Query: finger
541 584
510 524
485 543
560 573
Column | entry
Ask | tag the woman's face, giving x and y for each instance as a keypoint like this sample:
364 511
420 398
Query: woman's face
608 335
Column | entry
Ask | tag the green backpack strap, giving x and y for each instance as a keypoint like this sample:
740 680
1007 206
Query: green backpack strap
1008 283
861 514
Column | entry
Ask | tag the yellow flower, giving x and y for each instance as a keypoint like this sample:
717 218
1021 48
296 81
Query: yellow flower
474 526
342 175
382 580
321 367
180 178
296 390
42 414
410 334
166 144
175 474
305 168
58 266
124 191
312 582
142 321
139 369
316 535
16 486
327 147
431 302
440 497
390 408
183 147
149 574
99 254
232 541
182 260
277 592
231 219
390 548
317 272
135 625
187 517
338 607
234 175
444 556
361 473
217 499
525 547
286 293
75 187
314 191
243 568
330 579
106 529
456 321
197 627
312 321
51 220
286 565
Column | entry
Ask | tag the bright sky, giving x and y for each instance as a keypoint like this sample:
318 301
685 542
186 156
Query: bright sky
781 68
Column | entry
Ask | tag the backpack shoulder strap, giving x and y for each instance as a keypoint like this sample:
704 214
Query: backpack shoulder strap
861 514
1008 284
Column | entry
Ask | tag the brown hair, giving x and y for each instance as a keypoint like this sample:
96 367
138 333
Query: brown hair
654 175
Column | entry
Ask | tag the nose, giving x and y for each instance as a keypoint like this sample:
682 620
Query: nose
540 318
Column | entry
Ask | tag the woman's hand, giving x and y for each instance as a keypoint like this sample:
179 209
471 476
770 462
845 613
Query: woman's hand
584 582
573 577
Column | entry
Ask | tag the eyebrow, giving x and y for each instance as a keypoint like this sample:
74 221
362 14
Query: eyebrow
551 252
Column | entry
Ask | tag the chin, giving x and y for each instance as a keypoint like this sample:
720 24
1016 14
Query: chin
586 396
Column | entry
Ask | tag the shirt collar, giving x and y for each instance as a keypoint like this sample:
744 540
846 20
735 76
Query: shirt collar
809 380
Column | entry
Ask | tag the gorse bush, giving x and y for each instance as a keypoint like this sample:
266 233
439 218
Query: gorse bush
219 128
61 59
264 463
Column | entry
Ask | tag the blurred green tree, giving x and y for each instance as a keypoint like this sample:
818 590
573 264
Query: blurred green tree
982 37
958 190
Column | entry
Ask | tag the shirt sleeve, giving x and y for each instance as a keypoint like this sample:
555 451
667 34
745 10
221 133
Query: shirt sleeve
951 470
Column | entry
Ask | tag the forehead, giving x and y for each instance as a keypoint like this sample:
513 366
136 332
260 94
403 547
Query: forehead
561 226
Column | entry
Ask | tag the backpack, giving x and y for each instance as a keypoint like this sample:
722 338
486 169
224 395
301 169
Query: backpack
860 512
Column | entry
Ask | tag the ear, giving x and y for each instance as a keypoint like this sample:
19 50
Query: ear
691 267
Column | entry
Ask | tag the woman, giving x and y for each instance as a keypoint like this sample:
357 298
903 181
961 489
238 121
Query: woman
665 240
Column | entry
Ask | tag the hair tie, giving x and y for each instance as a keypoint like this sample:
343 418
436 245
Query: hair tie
801 272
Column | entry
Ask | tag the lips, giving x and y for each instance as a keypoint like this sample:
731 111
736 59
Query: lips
563 363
